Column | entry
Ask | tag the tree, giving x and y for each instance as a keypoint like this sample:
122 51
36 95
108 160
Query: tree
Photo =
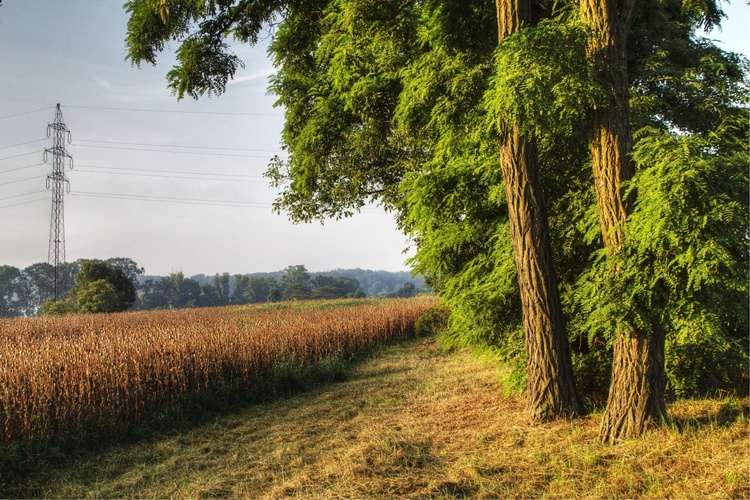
152 295
209 296
181 292
9 279
127 265
58 308
66 272
334 287
679 275
37 278
100 287
221 286
239 294
407 290
637 391
551 387
410 104
252 290
636 394
99 296
296 283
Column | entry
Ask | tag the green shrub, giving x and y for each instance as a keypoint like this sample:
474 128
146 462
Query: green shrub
433 321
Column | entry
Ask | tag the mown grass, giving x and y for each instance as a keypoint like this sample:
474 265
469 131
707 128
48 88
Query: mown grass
412 422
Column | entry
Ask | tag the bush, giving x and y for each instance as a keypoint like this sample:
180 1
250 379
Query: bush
57 308
433 321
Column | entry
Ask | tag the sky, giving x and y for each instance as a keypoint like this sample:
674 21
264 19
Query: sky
175 186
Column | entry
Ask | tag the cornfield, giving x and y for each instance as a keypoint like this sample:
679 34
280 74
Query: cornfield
62 374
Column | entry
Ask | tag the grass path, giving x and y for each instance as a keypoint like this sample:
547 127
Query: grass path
414 422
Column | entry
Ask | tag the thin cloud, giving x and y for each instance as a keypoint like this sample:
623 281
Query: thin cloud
252 77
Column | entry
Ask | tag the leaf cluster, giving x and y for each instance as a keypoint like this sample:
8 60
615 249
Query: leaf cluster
543 80
684 266
205 61
680 80
338 82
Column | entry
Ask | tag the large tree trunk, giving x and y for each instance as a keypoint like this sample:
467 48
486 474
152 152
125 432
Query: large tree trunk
551 386
636 393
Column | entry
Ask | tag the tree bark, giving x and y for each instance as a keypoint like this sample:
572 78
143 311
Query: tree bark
551 388
636 392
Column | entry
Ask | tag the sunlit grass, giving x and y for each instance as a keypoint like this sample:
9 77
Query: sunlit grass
413 422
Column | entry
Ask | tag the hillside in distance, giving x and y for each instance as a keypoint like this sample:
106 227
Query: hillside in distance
373 283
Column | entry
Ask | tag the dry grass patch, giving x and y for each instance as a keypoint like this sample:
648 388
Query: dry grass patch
413 422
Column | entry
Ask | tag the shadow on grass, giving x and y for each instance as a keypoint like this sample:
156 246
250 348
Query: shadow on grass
24 467
728 412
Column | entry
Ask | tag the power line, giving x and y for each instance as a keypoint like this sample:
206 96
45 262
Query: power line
177 146
192 176
22 154
194 201
24 113
21 144
24 203
165 199
20 195
21 168
21 180
230 113
173 152
148 170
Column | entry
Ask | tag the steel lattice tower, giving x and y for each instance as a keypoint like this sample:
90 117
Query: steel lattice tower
59 184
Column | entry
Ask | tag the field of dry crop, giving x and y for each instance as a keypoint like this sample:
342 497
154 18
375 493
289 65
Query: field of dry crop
63 374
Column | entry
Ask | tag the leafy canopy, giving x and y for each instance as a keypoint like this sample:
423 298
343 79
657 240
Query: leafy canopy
398 102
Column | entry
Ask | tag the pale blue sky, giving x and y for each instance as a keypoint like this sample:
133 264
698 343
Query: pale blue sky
200 205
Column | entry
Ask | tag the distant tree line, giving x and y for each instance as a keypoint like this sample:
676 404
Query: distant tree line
293 283
24 292
119 284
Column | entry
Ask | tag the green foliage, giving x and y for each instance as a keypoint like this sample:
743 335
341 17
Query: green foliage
251 290
433 322
459 216
296 283
684 266
543 81
334 287
401 103
204 67
181 291
100 287
683 81
338 81
98 296
205 63
9 278
57 308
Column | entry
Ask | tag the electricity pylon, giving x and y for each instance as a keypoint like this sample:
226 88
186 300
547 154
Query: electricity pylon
59 184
